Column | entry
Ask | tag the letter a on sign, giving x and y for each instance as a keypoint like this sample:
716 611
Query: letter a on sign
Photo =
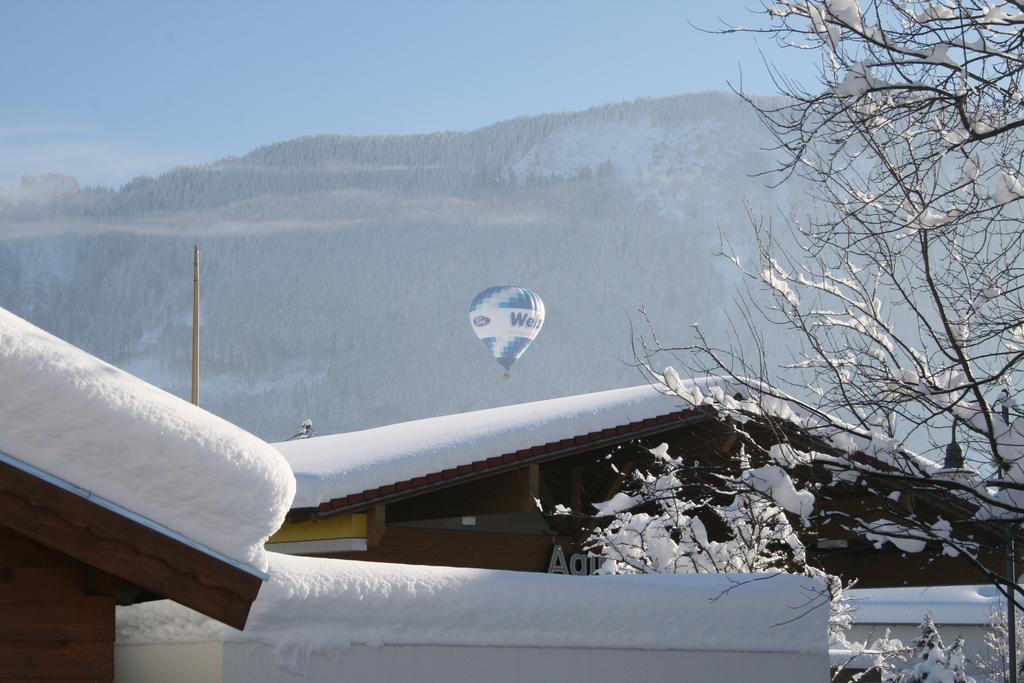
557 565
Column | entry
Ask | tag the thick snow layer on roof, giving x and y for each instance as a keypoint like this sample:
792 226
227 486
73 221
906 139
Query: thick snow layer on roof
85 422
947 604
330 467
325 605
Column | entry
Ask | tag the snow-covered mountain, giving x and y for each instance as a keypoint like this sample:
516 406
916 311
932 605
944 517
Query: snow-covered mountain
337 270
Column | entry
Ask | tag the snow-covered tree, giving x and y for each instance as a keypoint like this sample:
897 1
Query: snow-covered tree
887 657
995 659
903 295
653 526
656 530
932 662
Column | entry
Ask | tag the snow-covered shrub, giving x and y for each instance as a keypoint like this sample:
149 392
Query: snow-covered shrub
932 662
885 656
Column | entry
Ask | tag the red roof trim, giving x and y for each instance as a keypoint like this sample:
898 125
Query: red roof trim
500 462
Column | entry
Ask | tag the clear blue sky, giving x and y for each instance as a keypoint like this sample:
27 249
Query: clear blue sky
108 90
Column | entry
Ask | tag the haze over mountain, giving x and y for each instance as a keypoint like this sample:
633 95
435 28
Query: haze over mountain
337 270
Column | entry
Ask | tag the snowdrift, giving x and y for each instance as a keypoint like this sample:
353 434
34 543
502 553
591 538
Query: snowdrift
343 620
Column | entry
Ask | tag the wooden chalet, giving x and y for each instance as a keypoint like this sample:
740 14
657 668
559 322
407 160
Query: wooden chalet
67 558
531 509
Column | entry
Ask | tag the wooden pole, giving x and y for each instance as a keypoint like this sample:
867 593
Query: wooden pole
195 325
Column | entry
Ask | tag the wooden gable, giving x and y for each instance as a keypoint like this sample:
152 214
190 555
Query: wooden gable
138 556
53 624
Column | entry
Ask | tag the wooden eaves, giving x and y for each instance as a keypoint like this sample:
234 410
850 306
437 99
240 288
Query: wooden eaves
60 516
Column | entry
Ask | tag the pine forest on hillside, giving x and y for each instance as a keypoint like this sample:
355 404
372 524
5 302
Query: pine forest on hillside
337 270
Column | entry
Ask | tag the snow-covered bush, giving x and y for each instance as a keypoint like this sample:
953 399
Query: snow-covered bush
885 656
932 662
669 536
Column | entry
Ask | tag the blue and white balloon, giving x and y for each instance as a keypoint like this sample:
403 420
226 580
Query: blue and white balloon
506 319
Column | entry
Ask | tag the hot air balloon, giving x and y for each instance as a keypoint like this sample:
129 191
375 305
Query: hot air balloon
506 319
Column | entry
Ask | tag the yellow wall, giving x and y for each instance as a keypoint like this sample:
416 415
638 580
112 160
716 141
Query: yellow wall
339 526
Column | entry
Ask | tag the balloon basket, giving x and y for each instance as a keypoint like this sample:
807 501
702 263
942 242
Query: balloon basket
508 376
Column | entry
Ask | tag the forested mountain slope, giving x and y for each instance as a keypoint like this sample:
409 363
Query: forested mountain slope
337 270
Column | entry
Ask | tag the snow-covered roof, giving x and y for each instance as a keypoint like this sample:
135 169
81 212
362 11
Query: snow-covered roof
106 435
947 604
345 470
331 467
325 605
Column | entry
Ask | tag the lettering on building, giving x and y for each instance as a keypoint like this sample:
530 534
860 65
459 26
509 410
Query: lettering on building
578 564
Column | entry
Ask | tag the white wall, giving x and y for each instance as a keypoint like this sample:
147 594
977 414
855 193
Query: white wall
257 663
168 662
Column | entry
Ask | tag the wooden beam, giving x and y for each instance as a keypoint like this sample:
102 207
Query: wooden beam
101 538
576 490
376 524
533 483
41 585
32 660
507 492
90 619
